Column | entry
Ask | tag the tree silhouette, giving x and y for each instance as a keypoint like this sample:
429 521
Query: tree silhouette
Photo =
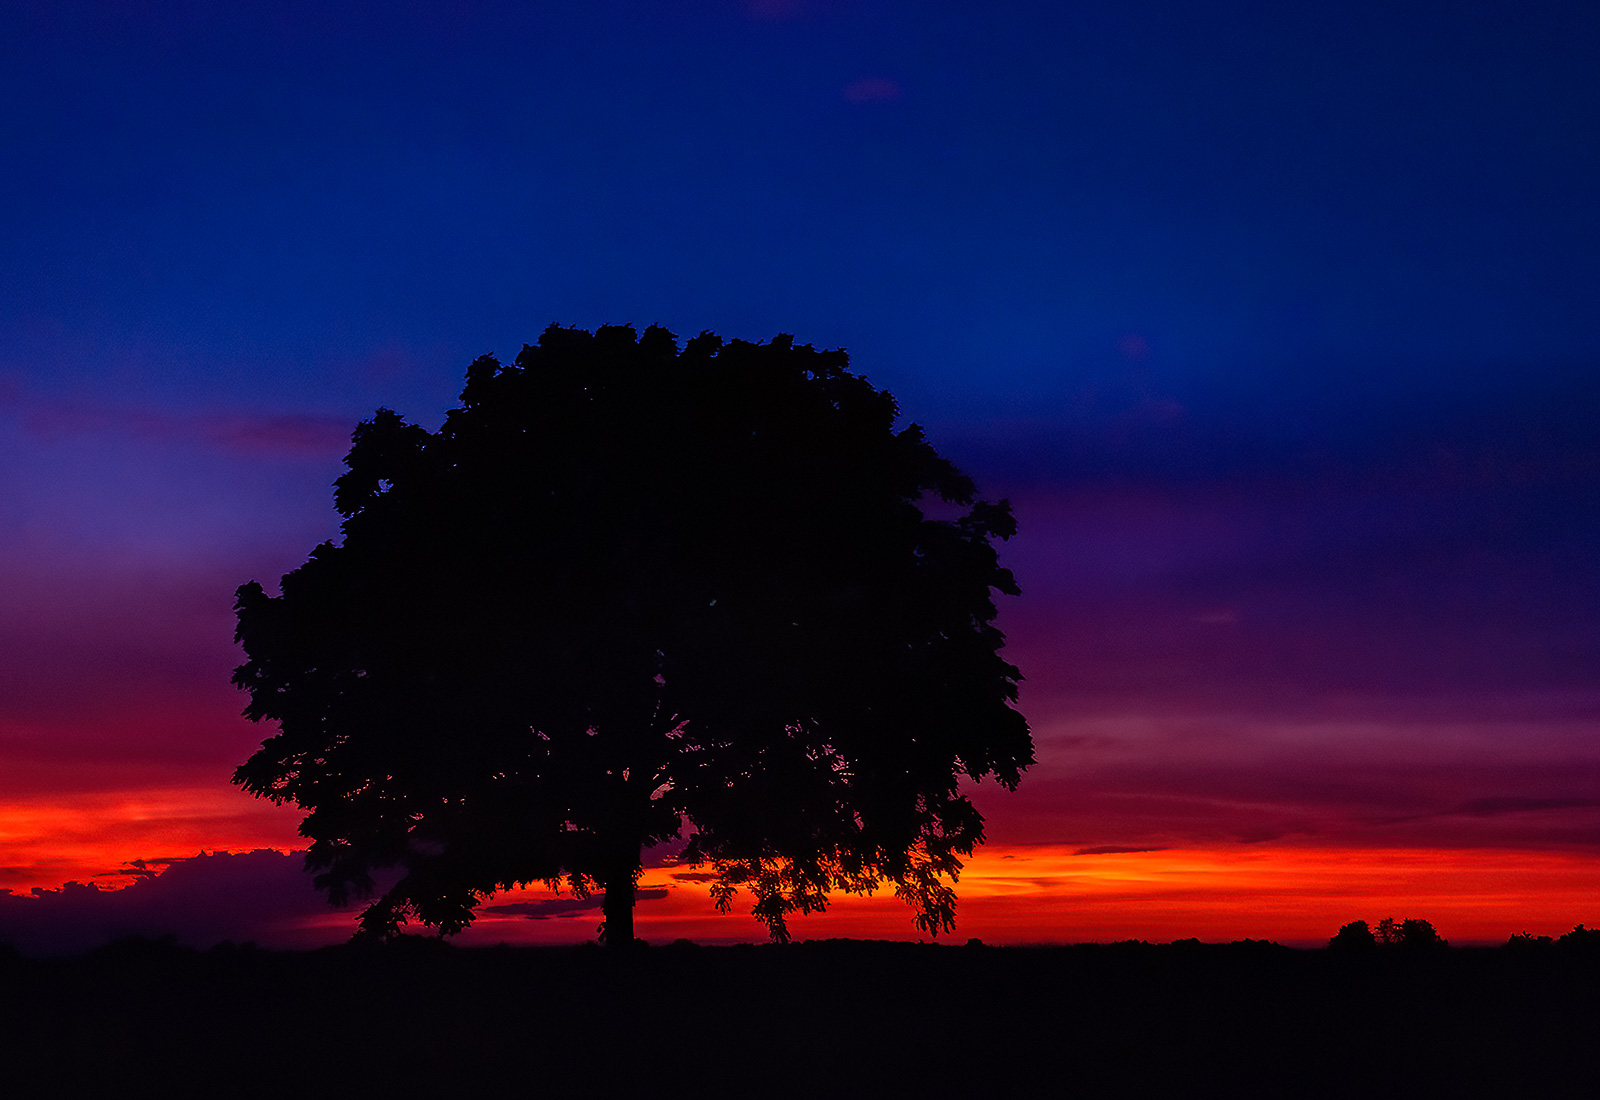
1420 934
1581 939
622 589
1411 933
1355 936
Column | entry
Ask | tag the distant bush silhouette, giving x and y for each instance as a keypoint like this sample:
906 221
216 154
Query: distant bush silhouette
1586 940
1410 934
1417 935
622 588
1581 939
1355 936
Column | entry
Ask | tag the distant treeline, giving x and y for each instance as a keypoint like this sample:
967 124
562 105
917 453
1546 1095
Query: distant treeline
1413 934
1409 934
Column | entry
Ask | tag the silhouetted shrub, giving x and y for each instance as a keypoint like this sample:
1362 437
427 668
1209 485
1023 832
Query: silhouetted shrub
1355 936
1418 935
1581 939
1259 946
1411 933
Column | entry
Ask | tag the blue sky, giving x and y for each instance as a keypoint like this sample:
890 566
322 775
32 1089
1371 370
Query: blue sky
269 203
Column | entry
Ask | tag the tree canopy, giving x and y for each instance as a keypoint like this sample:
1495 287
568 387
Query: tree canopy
1355 936
1413 934
628 591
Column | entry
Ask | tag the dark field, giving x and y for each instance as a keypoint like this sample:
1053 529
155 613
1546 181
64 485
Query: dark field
838 1018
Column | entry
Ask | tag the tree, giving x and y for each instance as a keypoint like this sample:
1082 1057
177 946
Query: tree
623 590
1355 936
1580 939
1418 935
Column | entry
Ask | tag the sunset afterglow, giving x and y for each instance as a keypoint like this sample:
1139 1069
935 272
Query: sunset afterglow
1277 329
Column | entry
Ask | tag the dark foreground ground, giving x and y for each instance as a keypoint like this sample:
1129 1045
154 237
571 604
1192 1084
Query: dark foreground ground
418 1019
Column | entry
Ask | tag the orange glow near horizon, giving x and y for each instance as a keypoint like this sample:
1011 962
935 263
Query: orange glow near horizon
49 840
1008 893
1045 894
1290 894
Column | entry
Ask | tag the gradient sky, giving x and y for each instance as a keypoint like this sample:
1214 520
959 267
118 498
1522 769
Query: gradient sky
1279 324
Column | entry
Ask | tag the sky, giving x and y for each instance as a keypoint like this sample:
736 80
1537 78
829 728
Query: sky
1279 324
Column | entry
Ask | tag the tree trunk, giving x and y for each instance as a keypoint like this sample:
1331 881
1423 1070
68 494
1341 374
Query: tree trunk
618 904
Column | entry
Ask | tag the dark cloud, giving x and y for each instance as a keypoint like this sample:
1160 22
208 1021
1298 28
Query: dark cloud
138 869
265 896
664 854
563 907
544 910
1113 850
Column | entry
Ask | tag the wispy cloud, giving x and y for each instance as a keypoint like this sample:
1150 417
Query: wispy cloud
563 907
1488 807
237 431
